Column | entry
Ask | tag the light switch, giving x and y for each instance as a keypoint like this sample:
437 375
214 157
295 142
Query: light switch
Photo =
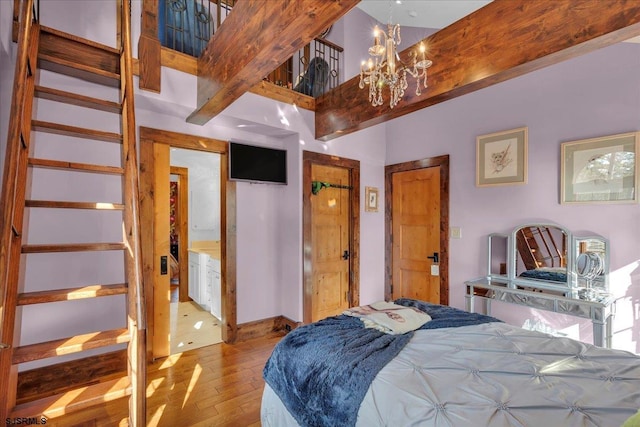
456 232
435 270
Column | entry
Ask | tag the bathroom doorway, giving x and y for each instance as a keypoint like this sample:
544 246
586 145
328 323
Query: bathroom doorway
194 236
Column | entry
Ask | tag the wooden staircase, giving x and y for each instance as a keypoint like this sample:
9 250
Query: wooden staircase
60 374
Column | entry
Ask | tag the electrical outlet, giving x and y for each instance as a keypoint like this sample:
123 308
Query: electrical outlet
455 232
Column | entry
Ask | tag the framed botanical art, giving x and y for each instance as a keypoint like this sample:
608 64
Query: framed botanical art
600 170
501 158
371 199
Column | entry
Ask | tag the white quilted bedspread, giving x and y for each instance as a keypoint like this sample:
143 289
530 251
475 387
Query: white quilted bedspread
495 374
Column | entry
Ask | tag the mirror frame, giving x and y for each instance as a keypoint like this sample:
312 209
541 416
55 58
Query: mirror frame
573 286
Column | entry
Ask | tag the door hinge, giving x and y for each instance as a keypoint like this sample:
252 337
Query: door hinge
347 296
391 289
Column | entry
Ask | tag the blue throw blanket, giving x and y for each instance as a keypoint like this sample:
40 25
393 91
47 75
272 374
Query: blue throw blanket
323 370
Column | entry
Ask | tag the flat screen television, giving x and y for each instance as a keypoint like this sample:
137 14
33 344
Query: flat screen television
257 164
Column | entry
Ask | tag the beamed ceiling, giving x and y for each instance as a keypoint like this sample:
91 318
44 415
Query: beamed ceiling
502 40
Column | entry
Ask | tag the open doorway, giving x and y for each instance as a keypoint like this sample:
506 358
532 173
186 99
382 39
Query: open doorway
155 146
194 237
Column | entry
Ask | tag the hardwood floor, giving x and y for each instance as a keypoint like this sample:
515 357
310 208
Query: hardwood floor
218 385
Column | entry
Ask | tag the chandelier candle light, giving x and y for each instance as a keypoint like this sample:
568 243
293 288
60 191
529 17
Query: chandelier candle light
385 68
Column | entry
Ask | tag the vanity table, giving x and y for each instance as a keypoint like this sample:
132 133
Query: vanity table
545 266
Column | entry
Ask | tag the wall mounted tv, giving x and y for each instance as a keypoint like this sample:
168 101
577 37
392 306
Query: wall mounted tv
257 164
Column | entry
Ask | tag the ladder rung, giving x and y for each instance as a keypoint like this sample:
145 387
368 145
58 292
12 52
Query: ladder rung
68 294
69 345
74 131
72 247
73 69
79 167
38 383
73 205
74 400
76 99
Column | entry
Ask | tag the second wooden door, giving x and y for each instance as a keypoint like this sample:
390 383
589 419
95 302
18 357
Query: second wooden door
416 234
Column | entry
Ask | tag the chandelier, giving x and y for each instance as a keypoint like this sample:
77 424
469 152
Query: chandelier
385 68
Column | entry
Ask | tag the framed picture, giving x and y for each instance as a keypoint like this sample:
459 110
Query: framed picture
501 158
371 199
600 170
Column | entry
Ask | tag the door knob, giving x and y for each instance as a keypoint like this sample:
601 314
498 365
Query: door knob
345 255
434 258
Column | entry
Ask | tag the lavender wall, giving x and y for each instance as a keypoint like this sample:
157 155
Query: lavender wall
593 95
7 70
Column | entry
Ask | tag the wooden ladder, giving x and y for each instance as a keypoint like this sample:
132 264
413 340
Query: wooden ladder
538 248
70 363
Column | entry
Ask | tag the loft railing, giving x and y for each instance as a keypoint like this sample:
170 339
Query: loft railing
187 25
313 70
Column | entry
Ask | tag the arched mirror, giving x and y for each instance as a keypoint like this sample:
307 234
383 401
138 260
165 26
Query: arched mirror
541 252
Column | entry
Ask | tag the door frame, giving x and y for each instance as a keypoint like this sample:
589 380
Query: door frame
183 230
148 138
389 170
309 158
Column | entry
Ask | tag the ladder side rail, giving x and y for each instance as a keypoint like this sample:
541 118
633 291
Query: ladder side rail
549 244
133 255
526 251
13 189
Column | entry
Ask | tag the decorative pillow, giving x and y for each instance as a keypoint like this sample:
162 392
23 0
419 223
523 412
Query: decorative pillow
634 421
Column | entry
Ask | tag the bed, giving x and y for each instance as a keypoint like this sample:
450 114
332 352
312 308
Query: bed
459 369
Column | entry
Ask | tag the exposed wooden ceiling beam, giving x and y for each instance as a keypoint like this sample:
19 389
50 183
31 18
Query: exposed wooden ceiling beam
503 40
256 37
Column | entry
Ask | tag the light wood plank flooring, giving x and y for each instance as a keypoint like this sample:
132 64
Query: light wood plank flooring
218 385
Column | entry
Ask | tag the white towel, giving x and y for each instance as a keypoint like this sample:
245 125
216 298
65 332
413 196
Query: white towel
389 318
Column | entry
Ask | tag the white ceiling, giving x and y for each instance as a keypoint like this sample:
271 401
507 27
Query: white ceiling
421 13
434 14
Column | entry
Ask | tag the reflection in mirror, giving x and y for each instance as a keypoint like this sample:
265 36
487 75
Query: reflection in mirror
592 268
498 254
541 253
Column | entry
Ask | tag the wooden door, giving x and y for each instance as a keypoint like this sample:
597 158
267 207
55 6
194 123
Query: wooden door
330 214
416 234
161 248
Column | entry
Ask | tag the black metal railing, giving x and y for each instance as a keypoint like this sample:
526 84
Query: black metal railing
313 70
187 25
